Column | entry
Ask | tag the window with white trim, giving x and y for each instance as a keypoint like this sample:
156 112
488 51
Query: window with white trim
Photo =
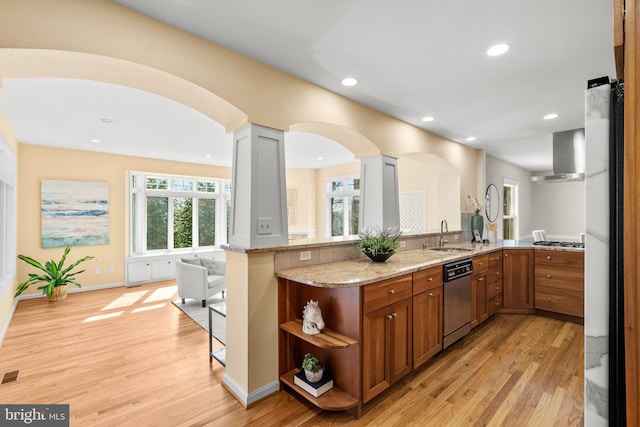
342 205
170 213
7 215
510 210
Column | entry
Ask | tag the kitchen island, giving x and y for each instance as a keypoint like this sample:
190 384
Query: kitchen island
383 320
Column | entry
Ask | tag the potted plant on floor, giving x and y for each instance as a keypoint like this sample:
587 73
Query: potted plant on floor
313 368
55 277
379 244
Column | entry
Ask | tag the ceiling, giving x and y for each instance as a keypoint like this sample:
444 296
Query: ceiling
412 59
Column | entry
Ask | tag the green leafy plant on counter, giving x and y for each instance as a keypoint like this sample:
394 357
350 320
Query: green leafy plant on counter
376 241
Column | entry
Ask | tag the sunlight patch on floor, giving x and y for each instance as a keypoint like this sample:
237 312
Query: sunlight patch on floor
102 316
124 300
148 307
161 294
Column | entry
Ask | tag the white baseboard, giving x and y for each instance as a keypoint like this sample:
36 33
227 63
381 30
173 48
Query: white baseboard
254 396
4 330
72 289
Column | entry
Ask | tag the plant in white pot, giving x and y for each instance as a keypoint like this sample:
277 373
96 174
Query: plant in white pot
55 276
313 368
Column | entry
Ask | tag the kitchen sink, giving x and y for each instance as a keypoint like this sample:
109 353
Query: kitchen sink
450 249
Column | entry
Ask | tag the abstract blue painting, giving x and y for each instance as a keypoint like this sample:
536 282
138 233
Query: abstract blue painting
74 213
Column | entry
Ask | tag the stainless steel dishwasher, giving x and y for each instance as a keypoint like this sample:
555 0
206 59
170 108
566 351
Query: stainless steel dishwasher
457 301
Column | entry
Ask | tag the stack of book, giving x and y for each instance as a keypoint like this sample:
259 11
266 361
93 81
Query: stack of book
315 389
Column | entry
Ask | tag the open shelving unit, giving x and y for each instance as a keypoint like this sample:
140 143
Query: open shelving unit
338 346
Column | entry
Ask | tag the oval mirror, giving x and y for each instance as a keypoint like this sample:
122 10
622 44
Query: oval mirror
492 203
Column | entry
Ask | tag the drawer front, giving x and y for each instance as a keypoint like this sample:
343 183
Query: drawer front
387 292
495 260
495 274
480 263
495 304
559 277
560 258
425 280
495 288
563 301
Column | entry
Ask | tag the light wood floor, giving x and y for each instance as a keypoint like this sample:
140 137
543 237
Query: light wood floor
127 357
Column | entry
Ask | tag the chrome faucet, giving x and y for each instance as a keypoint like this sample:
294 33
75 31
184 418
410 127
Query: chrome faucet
444 228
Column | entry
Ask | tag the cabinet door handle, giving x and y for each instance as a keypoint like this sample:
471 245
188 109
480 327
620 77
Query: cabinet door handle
389 316
548 276
549 299
506 255
480 263
498 304
497 288
391 291
549 257
480 279
497 273
394 314
429 279
430 294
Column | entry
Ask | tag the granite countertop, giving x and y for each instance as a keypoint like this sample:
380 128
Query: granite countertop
361 271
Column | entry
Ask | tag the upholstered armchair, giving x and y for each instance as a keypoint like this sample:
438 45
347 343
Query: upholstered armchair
200 278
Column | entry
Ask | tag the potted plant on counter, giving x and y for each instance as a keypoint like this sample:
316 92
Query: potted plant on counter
55 276
379 244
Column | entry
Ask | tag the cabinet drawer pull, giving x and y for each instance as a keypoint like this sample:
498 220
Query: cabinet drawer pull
430 294
497 288
549 257
497 258
480 263
497 273
549 299
480 279
498 304
391 291
429 279
389 316
548 276
506 255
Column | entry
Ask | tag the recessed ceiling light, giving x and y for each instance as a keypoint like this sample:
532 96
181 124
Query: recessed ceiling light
471 139
349 81
427 119
320 158
551 116
498 49
95 140
208 156
106 120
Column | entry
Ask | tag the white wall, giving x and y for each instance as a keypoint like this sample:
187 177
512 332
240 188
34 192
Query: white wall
559 209
499 170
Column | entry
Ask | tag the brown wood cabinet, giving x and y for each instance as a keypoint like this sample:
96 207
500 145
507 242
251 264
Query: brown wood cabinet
559 282
479 290
427 314
495 282
387 328
517 266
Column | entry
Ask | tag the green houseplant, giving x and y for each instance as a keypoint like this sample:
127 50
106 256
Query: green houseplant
379 244
55 276
313 368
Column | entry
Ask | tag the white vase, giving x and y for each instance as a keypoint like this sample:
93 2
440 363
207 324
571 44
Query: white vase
314 377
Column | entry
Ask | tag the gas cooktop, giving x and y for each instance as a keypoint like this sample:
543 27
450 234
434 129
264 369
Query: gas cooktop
559 244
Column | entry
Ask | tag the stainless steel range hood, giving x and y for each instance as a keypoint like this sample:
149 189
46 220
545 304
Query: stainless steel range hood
568 158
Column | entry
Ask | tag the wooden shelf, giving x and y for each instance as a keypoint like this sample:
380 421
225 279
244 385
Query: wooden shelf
326 339
333 400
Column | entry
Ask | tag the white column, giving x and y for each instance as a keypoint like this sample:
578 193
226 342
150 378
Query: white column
379 202
258 207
